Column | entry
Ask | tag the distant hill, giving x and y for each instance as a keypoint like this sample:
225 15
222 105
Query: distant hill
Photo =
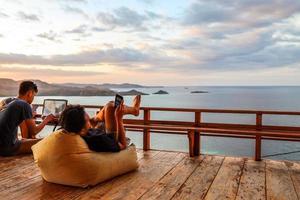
108 85
9 87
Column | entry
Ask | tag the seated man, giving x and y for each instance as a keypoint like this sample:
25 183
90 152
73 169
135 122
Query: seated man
75 120
17 112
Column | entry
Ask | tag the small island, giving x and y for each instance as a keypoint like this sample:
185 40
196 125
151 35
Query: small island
197 91
161 92
132 93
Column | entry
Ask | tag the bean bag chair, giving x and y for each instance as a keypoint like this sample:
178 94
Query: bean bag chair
65 158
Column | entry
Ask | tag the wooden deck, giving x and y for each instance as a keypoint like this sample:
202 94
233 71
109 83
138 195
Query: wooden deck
164 175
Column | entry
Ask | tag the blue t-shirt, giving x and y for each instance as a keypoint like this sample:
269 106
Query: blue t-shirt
11 116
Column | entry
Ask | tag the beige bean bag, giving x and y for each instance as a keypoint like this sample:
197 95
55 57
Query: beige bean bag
66 159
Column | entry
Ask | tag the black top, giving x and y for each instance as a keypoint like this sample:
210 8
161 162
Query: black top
11 116
99 141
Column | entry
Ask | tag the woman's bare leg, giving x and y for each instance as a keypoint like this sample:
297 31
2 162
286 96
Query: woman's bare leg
135 108
107 114
26 145
120 134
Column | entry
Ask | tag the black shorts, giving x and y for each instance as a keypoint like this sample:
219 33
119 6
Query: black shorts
99 141
10 150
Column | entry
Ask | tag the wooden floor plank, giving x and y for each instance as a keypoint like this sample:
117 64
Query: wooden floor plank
294 168
225 185
163 175
100 190
18 175
145 177
279 182
37 188
252 184
10 162
199 182
144 154
45 190
171 182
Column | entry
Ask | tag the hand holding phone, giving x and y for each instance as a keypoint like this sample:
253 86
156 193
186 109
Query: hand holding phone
118 100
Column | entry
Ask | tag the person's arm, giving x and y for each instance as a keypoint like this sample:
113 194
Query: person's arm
24 130
34 129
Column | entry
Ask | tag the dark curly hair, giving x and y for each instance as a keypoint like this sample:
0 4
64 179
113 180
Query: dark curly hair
72 119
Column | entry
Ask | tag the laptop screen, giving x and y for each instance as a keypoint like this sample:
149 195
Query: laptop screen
54 106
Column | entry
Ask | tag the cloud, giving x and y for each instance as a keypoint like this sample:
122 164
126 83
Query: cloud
75 10
114 55
99 29
247 13
75 1
147 1
38 72
3 15
207 12
123 17
1 35
28 17
78 30
49 36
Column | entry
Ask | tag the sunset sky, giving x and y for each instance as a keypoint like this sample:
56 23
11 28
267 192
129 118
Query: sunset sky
151 42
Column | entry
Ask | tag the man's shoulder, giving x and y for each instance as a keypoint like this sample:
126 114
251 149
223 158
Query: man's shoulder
21 103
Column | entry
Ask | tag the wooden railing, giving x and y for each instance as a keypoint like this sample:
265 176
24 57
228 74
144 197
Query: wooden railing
257 131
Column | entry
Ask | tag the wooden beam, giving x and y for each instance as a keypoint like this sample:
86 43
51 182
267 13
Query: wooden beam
197 134
258 137
191 137
146 134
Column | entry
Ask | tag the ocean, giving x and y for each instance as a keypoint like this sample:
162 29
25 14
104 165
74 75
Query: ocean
281 98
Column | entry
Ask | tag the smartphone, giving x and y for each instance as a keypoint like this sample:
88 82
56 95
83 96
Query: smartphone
118 100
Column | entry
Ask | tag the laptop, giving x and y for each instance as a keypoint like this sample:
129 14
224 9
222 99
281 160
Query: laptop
54 107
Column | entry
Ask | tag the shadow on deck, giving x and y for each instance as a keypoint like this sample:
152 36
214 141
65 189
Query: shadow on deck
164 175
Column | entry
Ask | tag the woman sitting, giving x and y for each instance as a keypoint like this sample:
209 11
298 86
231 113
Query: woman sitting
112 138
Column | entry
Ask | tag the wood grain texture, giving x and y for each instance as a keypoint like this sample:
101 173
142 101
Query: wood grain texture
252 184
225 185
145 177
166 187
294 168
163 175
201 179
279 183
100 190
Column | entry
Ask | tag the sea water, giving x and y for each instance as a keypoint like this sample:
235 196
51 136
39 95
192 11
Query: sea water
281 98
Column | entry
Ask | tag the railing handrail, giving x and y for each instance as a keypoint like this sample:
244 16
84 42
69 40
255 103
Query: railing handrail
209 110
194 135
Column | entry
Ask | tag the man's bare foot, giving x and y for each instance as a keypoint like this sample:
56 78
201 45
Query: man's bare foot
136 104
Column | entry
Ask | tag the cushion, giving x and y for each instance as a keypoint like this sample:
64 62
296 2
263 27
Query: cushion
65 158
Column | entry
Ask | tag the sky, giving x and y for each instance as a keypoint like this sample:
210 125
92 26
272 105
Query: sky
151 42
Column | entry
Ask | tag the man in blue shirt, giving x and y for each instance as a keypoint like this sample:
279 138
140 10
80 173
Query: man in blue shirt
17 112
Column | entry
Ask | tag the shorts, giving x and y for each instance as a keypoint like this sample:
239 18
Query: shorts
10 150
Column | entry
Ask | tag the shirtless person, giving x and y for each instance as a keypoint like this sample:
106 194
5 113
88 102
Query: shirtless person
17 112
113 139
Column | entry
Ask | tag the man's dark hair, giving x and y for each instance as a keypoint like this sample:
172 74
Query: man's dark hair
26 86
72 119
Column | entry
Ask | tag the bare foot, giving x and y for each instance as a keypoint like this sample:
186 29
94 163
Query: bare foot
136 104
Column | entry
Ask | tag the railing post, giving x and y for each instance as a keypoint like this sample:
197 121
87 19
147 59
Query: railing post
258 137
197 137
146 133
191 136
